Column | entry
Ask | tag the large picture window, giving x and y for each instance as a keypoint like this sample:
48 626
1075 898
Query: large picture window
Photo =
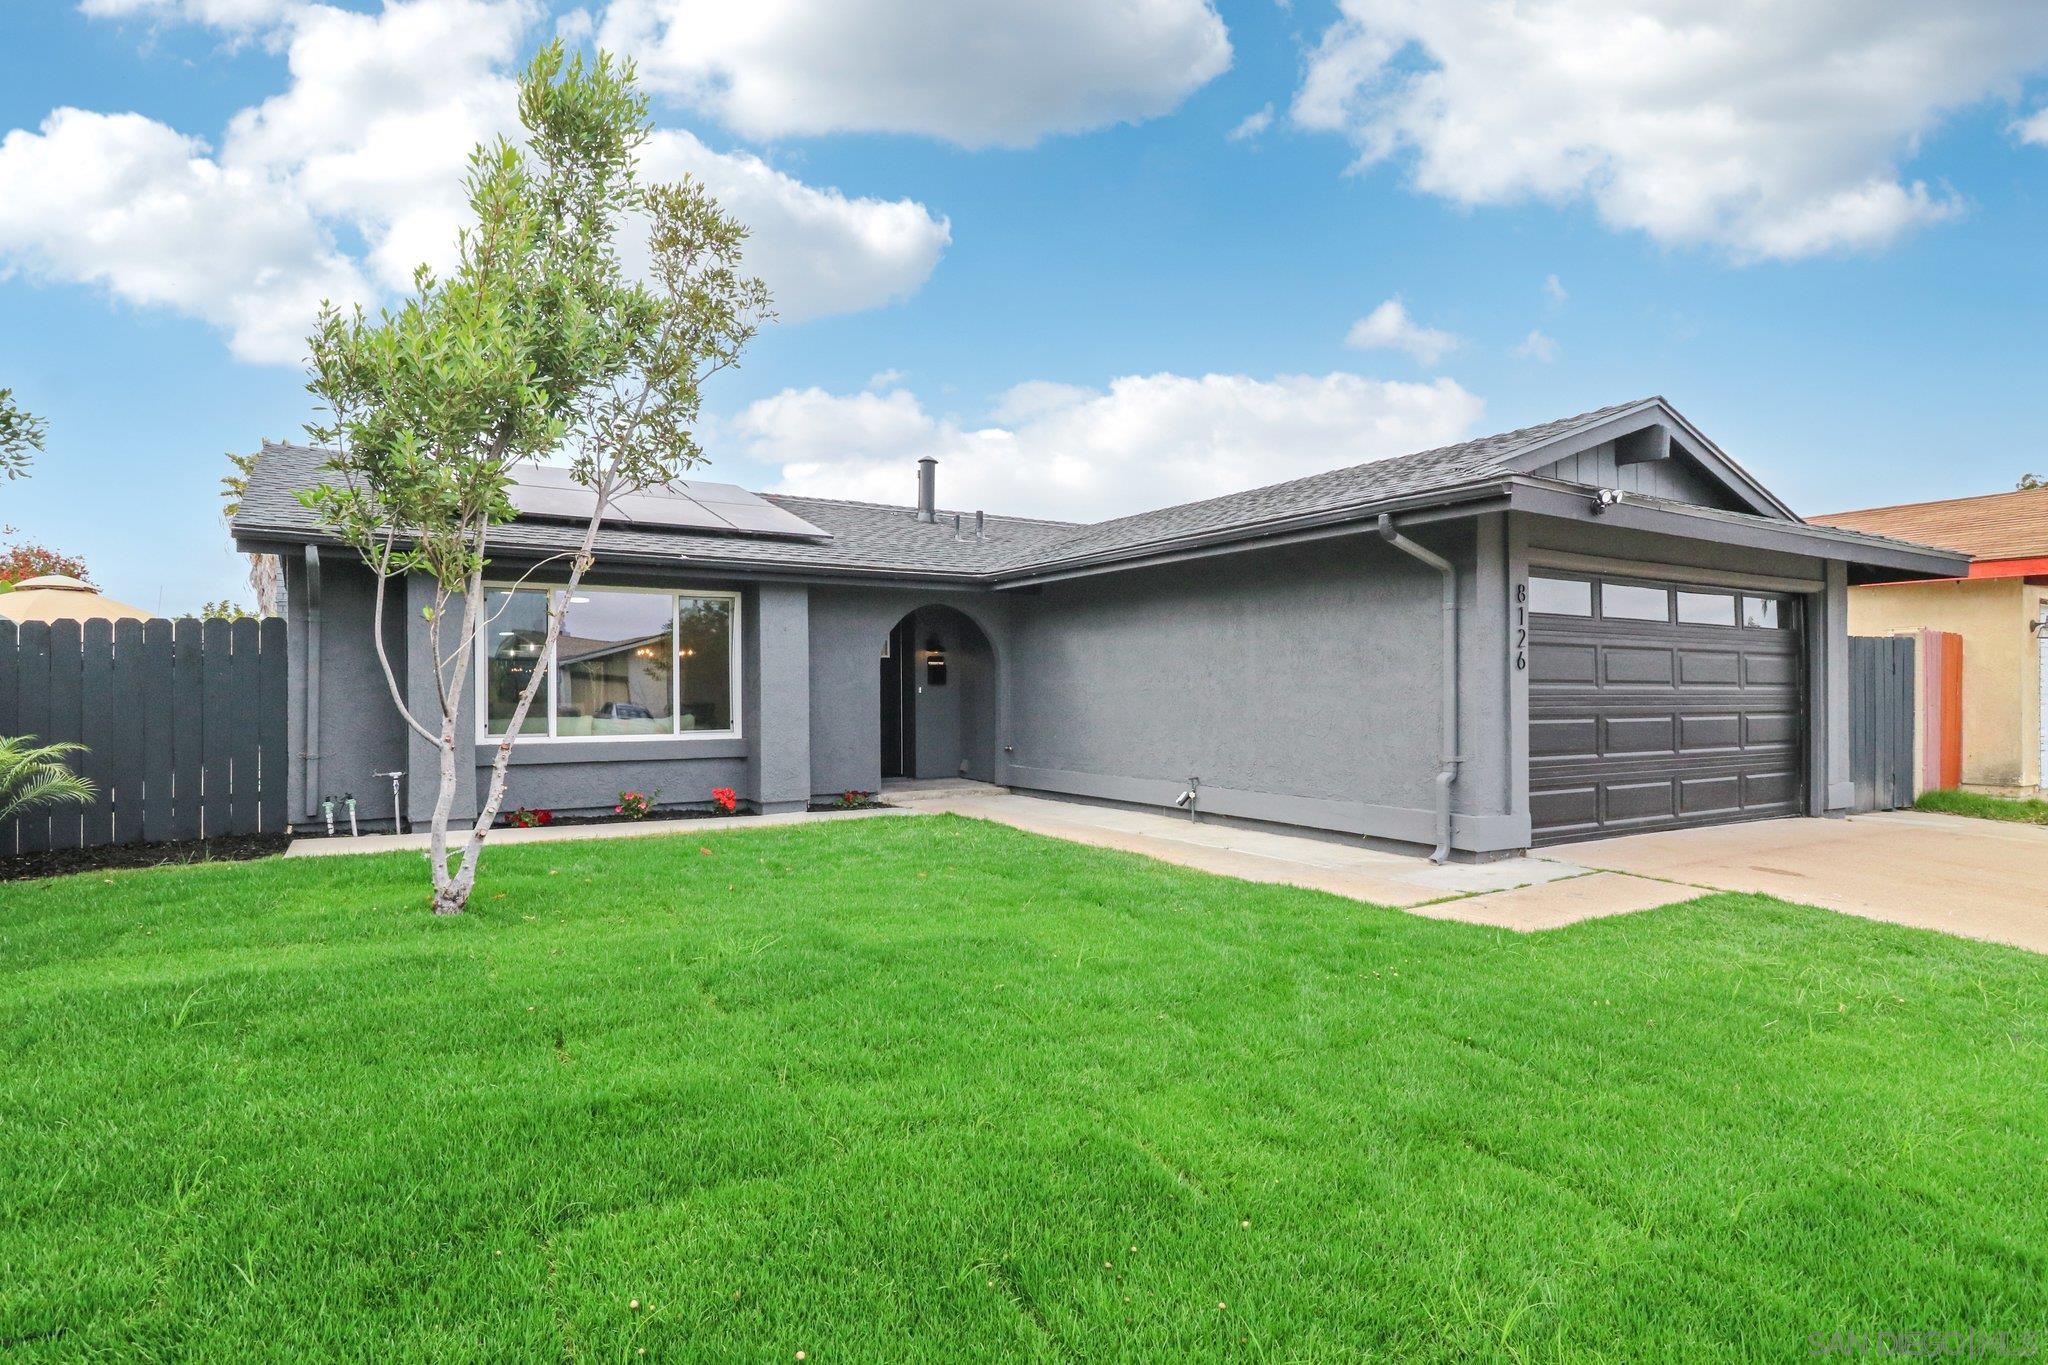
626 665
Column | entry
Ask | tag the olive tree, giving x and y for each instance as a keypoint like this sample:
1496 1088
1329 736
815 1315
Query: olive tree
21 435
538 344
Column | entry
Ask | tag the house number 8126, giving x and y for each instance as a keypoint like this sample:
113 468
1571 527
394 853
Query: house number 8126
1521 626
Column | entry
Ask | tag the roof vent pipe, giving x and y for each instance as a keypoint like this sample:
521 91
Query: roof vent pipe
979 523
1447 771
927 489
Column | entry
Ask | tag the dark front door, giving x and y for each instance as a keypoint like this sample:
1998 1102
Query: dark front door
899 701
1660 705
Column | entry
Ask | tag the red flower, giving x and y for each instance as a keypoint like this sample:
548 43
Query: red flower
726 799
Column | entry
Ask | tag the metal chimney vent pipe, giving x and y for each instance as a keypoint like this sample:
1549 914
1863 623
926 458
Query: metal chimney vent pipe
927 489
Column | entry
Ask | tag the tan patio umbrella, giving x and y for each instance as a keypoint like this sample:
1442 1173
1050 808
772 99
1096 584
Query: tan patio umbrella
56 597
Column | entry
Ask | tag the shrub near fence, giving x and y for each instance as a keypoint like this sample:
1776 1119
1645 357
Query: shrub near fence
184 724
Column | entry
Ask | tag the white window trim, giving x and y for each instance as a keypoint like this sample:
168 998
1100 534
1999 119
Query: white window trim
485 735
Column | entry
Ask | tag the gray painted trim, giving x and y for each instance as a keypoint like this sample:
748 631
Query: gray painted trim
307 725
1656 412
1683 434
1357 519
1403 824
1642 447
1720 578
662 749
1840 782
1519 626
1562 502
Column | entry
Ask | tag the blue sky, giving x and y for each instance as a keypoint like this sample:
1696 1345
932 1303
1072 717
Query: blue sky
1062 274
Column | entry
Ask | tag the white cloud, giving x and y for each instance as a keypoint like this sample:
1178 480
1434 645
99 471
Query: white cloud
1066 451
368 144
1537 346
1253 124
376 127
821 252
228 14
1772 131
1390 327
2033 128
1554 290
122 202
577 26
976 72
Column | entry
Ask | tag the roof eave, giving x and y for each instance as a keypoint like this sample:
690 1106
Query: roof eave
1689 437
1464 500
275 540
1901 559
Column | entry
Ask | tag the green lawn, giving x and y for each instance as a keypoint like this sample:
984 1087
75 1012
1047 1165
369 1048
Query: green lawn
1950 801
931 1089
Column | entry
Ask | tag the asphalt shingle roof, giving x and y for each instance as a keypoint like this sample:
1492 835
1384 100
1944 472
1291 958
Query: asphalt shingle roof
1991 526
1379 480
865 536
878 538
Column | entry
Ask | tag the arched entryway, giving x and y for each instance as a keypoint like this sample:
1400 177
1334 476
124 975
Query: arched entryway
938 698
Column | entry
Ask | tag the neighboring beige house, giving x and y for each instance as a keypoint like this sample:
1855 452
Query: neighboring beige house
2000 610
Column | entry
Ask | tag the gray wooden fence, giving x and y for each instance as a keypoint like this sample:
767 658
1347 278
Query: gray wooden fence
1883 700
184 724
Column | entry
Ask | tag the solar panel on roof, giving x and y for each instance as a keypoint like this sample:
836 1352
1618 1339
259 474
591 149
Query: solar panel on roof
544 492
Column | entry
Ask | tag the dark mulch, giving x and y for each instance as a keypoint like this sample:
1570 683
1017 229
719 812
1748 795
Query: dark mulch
57 862
842 805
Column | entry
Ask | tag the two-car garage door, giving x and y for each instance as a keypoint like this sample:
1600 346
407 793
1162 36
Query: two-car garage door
1660 705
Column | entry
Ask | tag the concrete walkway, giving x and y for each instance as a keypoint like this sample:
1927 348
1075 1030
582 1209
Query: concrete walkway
393 843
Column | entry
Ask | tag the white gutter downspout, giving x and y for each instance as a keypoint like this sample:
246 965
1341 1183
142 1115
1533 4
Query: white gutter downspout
1447 773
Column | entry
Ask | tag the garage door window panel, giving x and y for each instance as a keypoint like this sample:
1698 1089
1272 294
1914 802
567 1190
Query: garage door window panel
1560 596
1705 608
1633 602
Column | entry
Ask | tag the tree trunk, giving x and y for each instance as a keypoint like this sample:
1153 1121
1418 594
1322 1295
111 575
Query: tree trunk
494 796
452 887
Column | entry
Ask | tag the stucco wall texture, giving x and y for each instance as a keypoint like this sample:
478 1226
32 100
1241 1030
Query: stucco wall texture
2001 664
1300 685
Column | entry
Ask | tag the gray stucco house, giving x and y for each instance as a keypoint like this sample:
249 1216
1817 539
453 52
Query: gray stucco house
1596 625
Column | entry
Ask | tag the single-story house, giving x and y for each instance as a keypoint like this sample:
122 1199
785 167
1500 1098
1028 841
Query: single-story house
1595 625
1999 608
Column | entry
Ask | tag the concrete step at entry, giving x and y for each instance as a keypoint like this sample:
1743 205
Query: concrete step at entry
936 791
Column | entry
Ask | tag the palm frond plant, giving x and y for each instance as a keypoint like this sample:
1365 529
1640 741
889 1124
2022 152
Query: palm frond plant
33 776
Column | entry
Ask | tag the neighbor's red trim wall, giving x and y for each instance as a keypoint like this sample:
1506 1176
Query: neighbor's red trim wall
2009 568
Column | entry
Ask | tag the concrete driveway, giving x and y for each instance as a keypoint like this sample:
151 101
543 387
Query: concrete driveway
1976 878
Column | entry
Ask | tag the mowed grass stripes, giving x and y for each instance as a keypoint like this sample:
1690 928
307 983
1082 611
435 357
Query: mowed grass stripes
934 1089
